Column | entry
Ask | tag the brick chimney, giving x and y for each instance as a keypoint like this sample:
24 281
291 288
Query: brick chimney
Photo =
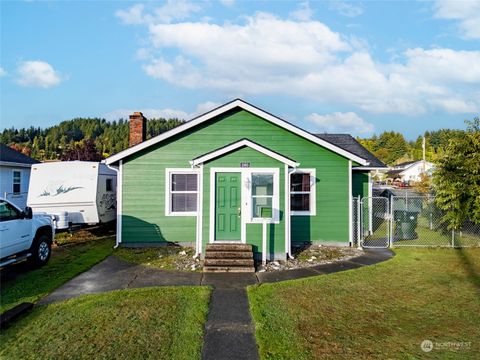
138 129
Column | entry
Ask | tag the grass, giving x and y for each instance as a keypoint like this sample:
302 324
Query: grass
150 323
164 257
380 311
20 283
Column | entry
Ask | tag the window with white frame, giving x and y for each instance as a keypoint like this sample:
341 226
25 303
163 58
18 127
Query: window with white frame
302 192
17 182
262 195
182 193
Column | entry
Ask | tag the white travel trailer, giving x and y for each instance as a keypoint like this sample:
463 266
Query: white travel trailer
75 192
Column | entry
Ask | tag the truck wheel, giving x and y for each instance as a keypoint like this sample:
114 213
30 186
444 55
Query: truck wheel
41 250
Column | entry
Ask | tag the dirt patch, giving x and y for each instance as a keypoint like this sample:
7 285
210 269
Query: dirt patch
312 255
170 257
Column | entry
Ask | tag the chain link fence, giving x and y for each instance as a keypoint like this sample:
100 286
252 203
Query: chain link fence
408 221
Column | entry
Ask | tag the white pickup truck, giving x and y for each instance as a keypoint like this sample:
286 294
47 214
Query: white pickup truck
24 235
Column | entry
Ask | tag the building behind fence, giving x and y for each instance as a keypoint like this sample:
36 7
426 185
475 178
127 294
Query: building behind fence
407 221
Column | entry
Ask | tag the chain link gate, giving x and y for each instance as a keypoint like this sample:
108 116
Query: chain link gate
373 222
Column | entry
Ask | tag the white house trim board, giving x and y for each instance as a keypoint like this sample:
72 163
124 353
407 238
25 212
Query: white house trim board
168 173
199 234
224 108
288 219
245 142
119 202
350 204
246 211
15 164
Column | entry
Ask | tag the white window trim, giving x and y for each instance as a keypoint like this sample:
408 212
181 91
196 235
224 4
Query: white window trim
275 197
168 203
312 192
14 183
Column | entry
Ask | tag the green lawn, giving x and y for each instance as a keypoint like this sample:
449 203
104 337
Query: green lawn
65 263
381 311
150 323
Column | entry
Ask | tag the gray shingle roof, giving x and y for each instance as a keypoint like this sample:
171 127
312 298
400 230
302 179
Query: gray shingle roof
347 142
7 154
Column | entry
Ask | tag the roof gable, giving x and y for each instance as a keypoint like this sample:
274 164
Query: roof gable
223 109
239 144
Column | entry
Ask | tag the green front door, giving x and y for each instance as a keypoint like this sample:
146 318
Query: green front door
227 206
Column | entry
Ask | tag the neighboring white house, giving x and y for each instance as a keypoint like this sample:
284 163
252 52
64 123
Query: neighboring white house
14 175
410 171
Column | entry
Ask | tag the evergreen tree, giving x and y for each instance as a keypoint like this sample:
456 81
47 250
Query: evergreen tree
457 178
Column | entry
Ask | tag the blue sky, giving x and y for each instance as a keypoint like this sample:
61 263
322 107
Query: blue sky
330 66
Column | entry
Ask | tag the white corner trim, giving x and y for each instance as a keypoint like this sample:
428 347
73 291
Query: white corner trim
168 173
239 144
288 245
119 203
313 192
350 204
224 108
199 230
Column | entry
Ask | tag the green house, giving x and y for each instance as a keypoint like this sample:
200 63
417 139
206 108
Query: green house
222 175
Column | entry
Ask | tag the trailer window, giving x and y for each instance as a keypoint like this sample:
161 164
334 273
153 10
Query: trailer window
17 182
108 185
182 193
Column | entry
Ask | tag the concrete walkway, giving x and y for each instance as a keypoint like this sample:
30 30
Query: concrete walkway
229 331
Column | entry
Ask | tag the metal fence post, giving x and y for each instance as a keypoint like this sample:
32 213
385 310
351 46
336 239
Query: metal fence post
453 238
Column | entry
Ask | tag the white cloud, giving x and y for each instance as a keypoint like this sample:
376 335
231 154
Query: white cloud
346 9
134 15
265 54
37 74
150 113
171 10
228 2
303 13
2 72
348 122
453 105
466 12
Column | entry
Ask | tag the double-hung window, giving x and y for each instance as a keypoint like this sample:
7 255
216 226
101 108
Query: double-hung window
262 195
182 193
17 182
302 192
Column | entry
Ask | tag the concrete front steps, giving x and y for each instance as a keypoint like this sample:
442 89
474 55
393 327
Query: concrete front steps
228 258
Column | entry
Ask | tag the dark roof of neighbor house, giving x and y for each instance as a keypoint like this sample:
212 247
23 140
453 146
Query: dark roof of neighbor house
394 173
399 192
350 144
7 154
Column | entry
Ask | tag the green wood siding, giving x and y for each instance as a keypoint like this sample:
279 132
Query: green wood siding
360 184
143 209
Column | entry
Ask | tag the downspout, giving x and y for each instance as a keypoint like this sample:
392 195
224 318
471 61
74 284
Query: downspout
117 242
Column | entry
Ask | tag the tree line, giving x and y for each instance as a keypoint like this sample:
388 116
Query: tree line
392 148
82 135
79 135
